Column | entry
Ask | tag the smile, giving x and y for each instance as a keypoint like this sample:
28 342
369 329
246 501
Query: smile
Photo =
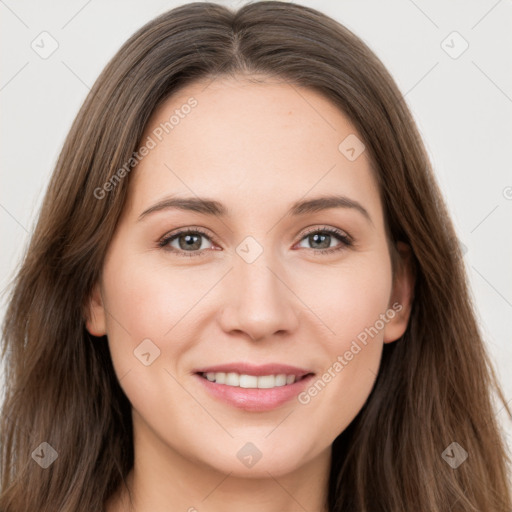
253 388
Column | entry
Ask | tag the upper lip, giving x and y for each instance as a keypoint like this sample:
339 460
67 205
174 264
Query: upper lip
258 370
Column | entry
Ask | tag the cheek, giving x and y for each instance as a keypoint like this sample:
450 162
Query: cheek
144 303
352 307
148 300
349 299
152 302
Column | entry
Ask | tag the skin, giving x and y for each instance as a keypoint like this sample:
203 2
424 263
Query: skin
257 148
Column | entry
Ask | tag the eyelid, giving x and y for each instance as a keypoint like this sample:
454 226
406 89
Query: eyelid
345 239
329 229
168 237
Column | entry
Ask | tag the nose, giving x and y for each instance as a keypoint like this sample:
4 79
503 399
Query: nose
258 300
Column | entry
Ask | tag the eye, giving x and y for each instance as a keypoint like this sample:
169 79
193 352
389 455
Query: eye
321 239
187 242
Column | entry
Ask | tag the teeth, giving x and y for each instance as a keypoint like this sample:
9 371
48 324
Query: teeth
250 381
232 379
266 381
280 380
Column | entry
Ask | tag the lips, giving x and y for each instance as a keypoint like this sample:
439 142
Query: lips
254 388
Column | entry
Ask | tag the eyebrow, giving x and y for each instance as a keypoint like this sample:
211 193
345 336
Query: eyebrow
211 207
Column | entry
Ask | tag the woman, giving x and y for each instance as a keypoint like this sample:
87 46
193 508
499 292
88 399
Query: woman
301 355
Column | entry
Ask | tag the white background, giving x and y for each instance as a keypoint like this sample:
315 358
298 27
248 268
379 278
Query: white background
462 106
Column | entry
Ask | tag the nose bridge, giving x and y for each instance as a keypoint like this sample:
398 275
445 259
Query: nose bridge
259 302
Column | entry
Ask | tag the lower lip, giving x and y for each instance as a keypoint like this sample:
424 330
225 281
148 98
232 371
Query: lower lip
252 399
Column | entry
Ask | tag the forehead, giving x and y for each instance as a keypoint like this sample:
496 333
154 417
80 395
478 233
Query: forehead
250 142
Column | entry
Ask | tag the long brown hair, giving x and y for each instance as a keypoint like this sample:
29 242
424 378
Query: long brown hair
435 384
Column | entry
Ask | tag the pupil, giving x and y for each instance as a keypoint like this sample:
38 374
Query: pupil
317 236
189 242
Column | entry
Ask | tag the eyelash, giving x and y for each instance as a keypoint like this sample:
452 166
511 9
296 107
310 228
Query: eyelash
340 235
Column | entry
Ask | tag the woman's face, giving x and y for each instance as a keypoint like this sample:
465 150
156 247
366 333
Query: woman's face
267 280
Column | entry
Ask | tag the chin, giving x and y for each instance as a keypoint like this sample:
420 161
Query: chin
258 458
